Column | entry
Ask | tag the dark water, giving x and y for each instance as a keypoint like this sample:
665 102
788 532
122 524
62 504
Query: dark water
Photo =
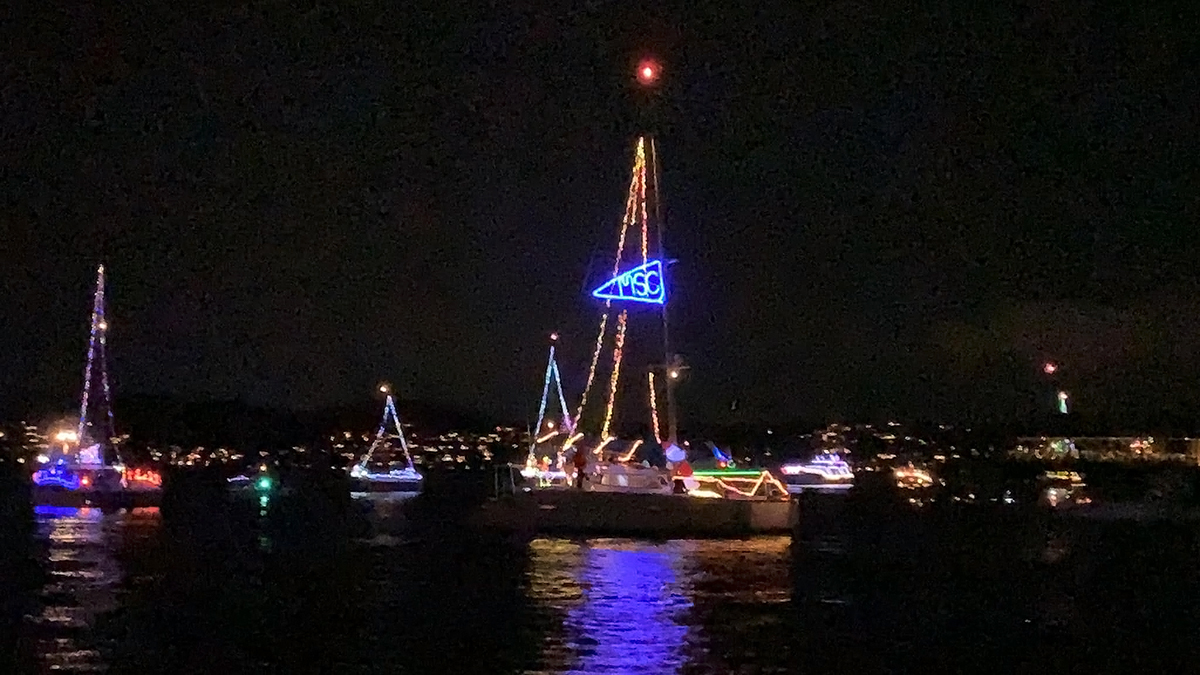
121 594
304 586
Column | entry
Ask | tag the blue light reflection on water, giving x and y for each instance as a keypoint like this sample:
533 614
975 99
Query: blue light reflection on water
628 620
624 606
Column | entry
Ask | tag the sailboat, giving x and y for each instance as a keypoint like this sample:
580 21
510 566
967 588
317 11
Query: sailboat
80 470
377 474
614 493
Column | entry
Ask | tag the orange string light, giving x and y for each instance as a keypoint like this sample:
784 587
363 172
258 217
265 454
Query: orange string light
764 477
547 437
595 360
654 410
636 189
632 449
600 448
618 353
639 174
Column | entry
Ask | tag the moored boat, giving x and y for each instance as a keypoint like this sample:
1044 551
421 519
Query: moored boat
376 473
827 472
80 471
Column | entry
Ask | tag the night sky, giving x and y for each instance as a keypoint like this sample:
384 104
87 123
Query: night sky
877 211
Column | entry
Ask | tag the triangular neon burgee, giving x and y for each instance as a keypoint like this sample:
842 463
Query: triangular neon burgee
640 284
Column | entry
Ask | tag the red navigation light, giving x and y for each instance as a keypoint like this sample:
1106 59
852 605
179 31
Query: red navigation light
1050 368
647 72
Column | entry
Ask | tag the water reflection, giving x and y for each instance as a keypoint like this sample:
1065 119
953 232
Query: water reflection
84 579
644 607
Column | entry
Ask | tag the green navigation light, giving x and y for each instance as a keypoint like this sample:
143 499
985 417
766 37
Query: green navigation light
263 483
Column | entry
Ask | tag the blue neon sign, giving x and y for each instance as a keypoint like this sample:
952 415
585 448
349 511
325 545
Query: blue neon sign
640 284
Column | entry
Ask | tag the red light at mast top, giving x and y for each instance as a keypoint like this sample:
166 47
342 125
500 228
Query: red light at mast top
1050 368
647 72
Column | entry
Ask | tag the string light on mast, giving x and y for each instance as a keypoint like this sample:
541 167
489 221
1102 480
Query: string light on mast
654 411
636 280
552 373
361 469
635 213
92 441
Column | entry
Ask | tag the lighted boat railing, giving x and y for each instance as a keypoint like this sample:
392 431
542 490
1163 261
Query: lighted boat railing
742 483
404 474
59 475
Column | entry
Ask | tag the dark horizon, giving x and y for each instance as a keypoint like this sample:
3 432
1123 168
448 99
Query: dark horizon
901 213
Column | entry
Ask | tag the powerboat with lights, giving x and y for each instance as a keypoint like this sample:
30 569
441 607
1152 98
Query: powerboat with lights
78 473
374 476
827 472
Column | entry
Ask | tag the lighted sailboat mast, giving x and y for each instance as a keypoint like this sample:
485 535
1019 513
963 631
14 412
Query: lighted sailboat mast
97 396
389 414
649 72
567 427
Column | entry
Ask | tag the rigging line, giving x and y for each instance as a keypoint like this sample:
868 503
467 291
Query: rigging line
626 220
654 410
618 353
399 430
542 406
562 401
640 179
97 310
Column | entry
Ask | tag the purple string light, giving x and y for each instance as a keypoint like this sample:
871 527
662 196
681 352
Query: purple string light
97 357
389 412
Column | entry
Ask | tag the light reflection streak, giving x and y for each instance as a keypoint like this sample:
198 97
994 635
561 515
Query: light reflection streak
641 607
84 579
622 604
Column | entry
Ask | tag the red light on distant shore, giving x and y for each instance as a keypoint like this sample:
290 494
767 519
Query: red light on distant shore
1050 368
647 72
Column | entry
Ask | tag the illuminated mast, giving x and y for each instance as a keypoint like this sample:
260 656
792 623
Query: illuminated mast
567 427
648 73
642 284
640 281
96 434
389 413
